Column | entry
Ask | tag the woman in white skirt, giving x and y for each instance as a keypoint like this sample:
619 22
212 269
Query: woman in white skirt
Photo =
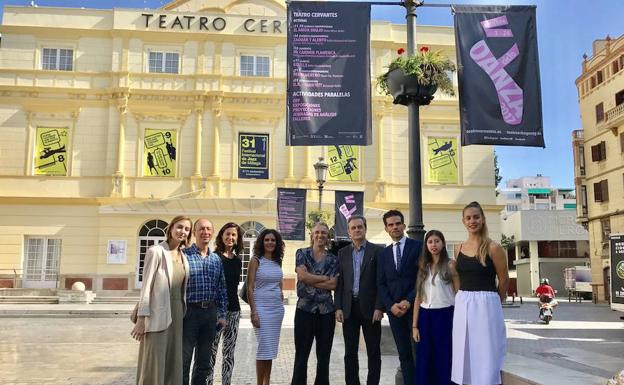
479 338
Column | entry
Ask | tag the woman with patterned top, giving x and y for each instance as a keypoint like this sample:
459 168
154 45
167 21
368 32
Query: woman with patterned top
478 325
266 299
317 275
229 244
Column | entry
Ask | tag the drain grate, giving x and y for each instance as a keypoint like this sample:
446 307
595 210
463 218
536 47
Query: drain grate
551 355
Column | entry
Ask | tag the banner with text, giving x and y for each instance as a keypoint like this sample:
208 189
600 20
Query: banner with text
291 213
51 151
617 268
253 156
344 163
442 157
329 91
348 203
498 71
159 153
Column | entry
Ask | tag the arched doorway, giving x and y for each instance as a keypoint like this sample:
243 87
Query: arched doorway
151 233
251 230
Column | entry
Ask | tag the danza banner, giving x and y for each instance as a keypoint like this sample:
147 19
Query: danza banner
499 82
329 91
348 203
291 211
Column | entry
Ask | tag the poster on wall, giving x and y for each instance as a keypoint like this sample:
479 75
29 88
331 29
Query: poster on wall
116 253
343 161
617 271
253 156
498 71
291 213
442 160
348 203
159 153
51 151
328 78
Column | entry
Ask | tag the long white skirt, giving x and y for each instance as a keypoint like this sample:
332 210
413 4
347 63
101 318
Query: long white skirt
479 338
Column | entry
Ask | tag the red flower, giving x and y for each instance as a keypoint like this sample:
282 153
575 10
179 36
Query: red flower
424 49
400 51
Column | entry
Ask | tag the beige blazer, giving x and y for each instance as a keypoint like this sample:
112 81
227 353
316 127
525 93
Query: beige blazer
155 301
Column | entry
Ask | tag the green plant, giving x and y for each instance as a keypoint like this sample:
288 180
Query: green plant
508 242
429 67
315 216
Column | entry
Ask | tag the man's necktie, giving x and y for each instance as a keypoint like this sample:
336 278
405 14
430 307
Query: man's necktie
398 255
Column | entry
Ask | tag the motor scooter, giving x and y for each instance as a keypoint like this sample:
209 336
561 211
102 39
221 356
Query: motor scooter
546 309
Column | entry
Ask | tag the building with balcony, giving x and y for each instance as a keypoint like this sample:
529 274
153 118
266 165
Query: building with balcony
542 236
599 152
114 121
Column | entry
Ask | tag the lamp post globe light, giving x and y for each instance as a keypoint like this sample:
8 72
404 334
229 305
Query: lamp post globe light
320 168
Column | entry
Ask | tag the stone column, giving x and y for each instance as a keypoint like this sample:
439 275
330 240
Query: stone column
380 182
199 115
534 271
30 144
118 177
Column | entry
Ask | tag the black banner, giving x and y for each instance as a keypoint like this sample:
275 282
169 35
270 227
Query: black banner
291 212
500 96
253 156
617 268
348 203
328 61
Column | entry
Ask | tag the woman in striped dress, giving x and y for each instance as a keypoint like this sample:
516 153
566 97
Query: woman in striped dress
478 325
264 292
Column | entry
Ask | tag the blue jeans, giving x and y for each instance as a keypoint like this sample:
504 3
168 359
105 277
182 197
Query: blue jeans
200 327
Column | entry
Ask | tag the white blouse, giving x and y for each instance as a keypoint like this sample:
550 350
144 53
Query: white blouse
437 296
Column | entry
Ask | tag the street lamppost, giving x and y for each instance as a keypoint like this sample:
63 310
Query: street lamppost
320 168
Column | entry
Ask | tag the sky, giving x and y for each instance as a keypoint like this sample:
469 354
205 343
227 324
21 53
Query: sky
565 30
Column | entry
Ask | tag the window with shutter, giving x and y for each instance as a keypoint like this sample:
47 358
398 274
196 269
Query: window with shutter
603 150
597 192
599 77
605 190
622 142
599 112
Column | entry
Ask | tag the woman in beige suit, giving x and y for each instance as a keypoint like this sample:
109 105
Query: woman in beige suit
161 308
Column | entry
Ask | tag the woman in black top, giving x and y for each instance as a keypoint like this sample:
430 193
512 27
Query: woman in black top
229 245
479 337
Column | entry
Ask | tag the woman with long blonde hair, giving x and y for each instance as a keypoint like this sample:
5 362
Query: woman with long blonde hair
479 338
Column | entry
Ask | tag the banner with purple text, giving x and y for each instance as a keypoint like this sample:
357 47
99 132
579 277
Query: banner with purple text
498 71
348 203
291 213
328 61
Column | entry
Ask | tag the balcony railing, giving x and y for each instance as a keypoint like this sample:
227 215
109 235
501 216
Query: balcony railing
577 134
614 113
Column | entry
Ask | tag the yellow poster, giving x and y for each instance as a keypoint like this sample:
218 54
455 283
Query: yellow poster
344 163
159 155
442 159
51 151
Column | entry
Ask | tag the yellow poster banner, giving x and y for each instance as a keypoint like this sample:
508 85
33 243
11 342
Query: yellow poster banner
51 151
160 147
442 156
344 163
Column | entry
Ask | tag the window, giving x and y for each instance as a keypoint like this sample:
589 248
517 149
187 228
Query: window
605 226
599 77
164 62
615 66
41 260
254 66
151 233
601 191
581 151
592 82
599 112
622 142
57 59
599 152
251 230
511 208
584 200
619 98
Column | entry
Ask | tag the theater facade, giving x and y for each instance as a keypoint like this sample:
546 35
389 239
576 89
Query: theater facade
114 121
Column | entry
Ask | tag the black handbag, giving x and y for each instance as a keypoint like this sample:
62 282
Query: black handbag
243 292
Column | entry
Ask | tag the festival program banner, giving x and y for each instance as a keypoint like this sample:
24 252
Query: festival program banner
442 160
344 163
348 203
159 153
498 70
291 212
51 151
328 61
617 268
253 156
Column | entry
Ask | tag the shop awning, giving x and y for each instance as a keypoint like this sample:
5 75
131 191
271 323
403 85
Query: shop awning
539 191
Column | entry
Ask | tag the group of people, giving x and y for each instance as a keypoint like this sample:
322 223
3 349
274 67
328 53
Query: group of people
189 303
445 312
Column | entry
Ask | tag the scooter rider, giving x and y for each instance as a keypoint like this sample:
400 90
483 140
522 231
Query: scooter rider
545 293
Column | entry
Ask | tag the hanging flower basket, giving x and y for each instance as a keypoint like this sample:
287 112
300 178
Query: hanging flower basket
416 78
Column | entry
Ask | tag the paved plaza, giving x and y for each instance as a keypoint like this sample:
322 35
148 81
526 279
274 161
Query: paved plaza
583 345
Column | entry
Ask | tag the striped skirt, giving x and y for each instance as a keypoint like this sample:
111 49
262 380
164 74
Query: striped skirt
479 338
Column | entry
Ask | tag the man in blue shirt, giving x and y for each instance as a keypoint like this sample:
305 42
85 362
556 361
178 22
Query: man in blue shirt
206 300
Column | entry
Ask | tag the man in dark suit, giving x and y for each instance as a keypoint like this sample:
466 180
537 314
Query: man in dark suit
358 304
396 279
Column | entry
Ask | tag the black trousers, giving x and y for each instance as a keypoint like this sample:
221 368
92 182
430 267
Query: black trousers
402 333
199 330
372 338
308 328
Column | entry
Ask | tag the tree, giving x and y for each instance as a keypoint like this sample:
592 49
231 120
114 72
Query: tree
508 242
315 216
497 175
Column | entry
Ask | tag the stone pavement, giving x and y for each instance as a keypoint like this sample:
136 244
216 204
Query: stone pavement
583 345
